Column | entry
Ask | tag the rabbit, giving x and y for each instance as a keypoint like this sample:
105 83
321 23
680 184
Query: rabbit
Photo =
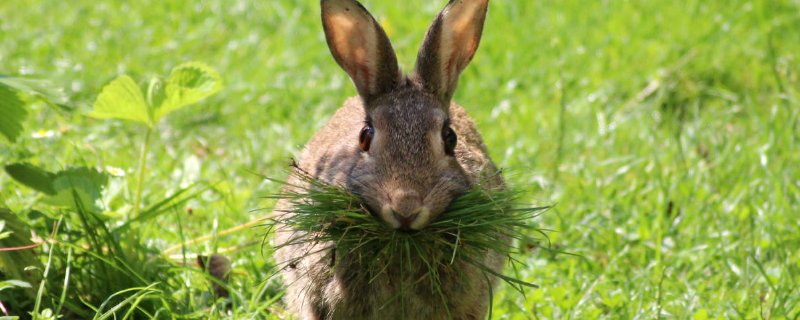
406 151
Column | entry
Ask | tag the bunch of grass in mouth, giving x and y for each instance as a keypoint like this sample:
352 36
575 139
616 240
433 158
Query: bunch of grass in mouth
474 223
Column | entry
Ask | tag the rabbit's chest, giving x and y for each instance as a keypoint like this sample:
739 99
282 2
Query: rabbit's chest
399 291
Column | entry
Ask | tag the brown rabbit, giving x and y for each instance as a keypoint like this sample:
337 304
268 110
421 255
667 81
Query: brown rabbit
407 152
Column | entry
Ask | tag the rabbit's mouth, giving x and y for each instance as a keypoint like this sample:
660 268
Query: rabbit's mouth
403 228
394 221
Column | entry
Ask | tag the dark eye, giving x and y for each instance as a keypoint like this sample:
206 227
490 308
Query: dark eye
450 140
365 138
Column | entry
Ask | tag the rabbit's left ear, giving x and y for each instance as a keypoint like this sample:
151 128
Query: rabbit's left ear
449 45
361 47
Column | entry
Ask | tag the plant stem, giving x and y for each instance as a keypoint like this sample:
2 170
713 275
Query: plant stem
140 183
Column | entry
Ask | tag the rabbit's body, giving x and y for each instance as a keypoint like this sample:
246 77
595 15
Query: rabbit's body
315 291
406 151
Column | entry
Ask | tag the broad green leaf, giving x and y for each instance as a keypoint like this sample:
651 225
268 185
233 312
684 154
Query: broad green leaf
701 314
65 198
121 99
12 113
32 176
13 263
187 84
38 87
88 184
14 284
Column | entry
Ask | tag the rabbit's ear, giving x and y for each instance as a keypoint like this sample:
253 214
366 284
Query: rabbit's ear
449 45
360 46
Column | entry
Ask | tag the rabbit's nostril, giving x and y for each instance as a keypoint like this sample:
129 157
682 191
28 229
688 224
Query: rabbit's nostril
405 219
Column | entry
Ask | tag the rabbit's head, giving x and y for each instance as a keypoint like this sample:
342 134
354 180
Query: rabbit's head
406 169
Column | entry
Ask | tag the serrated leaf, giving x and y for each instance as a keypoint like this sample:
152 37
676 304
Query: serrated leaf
12 113
32 177
87 183
13 263
187 84
121 99
91 176
65 198
40 87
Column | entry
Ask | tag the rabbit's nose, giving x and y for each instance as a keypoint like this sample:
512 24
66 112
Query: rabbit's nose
406 207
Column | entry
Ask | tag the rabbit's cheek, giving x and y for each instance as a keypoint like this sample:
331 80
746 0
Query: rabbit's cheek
445 163
422 220
437 145
387 215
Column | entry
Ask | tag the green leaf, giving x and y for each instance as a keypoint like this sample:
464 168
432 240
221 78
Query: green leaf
13 263
187 84
14 284
156 92
87 183
39 87
701 314
122 99
65 198
12 113
32 177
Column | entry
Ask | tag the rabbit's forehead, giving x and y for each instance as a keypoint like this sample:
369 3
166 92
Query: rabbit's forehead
417 112
422 119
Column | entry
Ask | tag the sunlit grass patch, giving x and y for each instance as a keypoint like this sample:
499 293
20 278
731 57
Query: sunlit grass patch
664 133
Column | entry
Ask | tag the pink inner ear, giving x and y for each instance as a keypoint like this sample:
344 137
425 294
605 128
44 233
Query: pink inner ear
353 42
463 24
469 43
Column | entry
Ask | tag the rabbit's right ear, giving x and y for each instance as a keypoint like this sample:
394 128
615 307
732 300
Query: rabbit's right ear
361 47
449 46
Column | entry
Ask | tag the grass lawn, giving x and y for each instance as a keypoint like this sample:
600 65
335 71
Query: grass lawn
667 135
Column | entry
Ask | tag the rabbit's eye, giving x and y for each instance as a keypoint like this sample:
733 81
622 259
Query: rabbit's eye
365 137
450 140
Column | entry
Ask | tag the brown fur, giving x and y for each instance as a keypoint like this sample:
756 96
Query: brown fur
405 168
